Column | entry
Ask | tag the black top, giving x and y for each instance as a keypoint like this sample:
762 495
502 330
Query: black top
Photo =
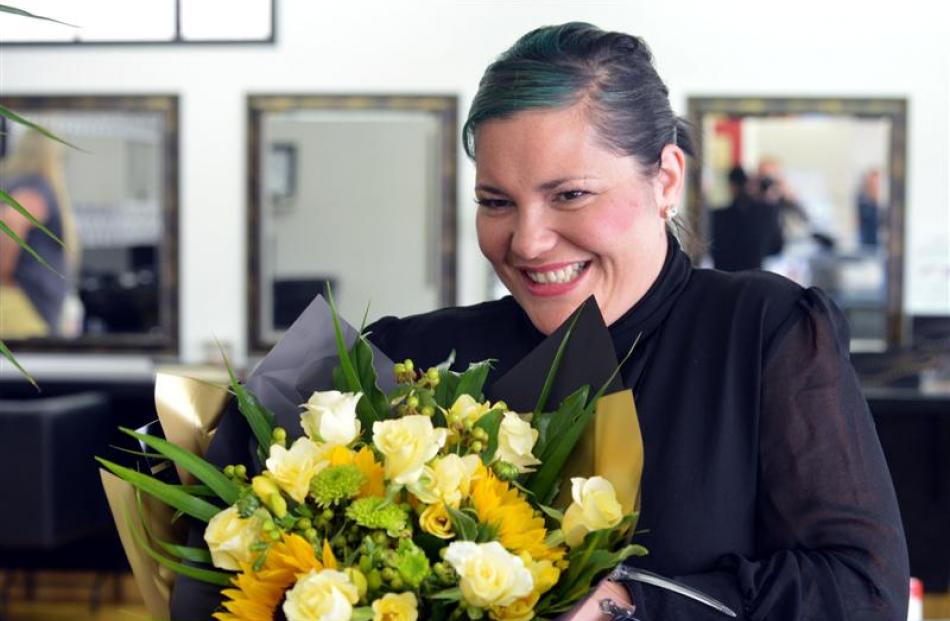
764 483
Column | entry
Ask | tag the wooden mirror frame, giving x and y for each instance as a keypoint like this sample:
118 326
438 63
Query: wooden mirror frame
166 341
443 107
895 110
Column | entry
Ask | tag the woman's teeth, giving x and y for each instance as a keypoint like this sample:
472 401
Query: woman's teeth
561 276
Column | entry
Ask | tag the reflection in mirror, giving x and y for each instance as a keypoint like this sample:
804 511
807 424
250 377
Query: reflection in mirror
357 192
112 200
812 190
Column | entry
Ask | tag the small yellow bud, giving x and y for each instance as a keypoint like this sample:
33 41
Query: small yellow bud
229 471
240 471
311 534
409 365
358 580
304 524
427 410
277 504
477 446
279 435
412 402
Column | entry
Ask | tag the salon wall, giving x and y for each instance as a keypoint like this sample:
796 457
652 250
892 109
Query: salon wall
808 47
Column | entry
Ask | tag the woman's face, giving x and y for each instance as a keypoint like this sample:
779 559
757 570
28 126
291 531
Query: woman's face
561 217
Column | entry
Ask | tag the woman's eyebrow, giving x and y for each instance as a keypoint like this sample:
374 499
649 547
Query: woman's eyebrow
544 187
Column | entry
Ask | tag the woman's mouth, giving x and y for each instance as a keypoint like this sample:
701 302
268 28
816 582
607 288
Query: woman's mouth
555 280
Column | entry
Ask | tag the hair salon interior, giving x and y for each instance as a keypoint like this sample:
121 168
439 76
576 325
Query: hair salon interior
219 163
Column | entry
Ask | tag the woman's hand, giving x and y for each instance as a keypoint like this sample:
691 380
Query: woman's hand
589 609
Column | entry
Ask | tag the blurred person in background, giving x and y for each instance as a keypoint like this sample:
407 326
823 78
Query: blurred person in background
32 297
869 208
746 231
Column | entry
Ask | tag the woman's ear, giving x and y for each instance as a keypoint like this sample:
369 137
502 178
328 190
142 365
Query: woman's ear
668 183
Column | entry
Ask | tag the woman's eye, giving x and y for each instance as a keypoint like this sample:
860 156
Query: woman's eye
571 195
493 203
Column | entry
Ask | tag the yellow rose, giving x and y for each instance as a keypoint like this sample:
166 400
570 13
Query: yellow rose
447 479
292 469
467 410
544 573
229 538
489 575
522 609
595 507
393 607
326 595
407 444
435 521
516 438
330 417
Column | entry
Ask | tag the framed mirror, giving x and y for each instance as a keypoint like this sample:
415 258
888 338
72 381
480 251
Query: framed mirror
812 189
113 199
355 191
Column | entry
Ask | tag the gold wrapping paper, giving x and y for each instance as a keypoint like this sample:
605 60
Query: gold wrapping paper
611 447
189 411
153 580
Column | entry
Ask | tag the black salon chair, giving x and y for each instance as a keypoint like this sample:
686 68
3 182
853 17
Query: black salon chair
50 493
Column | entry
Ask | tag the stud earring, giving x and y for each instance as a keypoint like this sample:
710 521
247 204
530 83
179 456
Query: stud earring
670 212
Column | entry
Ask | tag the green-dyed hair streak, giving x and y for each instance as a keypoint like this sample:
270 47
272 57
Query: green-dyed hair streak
557 66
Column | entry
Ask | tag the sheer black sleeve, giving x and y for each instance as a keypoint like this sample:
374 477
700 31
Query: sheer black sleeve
829 539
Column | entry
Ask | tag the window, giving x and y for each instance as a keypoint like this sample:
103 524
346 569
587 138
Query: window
140 21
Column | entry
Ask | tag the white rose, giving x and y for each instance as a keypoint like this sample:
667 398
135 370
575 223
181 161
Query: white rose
516 438
326 595
407 444
229 538
447 479
489 574
292 469
595 507
330 417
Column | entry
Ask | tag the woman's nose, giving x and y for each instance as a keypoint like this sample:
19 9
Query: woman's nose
533 235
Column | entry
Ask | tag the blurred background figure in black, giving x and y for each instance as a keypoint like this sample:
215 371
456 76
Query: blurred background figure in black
747 230
869 208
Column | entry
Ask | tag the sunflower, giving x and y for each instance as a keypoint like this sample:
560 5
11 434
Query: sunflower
519 527
259 593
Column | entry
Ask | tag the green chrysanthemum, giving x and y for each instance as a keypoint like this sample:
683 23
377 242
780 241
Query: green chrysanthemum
411 563
376 513
335 484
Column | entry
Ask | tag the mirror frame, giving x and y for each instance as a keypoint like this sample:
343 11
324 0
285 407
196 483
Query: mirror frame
167 341
443 107
893 109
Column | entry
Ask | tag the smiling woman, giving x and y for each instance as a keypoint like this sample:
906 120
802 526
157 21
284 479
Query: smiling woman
763 482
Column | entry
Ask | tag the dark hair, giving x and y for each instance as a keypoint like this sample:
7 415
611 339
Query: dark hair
558 66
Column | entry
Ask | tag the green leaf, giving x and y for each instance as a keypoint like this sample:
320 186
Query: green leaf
169 494
472 381
362 356
490 422
26 247
195 555
454 594
260 420
211 576
561 431
16 118
347 379
23 211
448 385
552 372
464 525
15 11
9 356
552 513
205 472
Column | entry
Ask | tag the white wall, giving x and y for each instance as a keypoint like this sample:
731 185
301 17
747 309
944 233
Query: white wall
809 47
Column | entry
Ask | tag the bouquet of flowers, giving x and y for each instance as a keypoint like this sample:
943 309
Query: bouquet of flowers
428 500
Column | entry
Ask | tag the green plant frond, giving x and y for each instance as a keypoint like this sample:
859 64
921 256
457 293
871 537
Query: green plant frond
16 118
12 359
23 211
